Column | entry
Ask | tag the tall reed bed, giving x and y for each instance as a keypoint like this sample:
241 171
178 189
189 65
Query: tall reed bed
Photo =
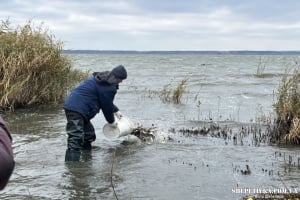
32 68
287 108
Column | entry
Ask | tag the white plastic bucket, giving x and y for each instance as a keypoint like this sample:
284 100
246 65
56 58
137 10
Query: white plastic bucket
125 127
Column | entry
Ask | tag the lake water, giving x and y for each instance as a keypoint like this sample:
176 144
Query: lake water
221 89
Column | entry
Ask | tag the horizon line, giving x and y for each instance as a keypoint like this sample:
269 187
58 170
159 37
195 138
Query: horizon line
182 50
222 52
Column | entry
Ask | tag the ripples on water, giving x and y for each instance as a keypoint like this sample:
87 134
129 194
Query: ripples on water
199 167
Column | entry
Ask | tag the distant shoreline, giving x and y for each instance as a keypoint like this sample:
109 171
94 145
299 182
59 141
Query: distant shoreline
183 52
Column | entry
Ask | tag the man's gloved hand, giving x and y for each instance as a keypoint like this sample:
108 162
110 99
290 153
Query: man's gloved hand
113 125
118 115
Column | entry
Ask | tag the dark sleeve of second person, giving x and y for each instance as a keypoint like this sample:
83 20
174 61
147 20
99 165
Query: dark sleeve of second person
6 155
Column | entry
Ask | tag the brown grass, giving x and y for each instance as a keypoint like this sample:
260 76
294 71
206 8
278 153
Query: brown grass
287 108
32 68
260 70
173 95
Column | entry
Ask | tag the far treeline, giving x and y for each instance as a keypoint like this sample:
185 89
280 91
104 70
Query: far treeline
34 71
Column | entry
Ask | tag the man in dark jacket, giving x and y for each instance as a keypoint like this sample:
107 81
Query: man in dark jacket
85 101
7 162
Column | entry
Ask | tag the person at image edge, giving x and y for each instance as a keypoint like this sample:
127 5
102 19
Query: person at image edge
7 162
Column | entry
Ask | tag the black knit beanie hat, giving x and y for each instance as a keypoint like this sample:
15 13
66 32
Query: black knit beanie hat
119 72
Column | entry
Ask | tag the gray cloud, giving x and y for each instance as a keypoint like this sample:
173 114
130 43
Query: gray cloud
164 25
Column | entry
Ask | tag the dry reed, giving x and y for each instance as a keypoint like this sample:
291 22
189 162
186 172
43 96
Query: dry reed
287 108
260 70
32 68
173 95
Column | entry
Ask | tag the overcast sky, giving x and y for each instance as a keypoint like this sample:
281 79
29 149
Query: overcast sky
164 24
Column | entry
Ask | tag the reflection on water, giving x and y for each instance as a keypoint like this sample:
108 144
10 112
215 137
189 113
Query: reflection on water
193 167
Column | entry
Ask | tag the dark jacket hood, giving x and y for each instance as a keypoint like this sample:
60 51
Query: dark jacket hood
105 77
111 77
